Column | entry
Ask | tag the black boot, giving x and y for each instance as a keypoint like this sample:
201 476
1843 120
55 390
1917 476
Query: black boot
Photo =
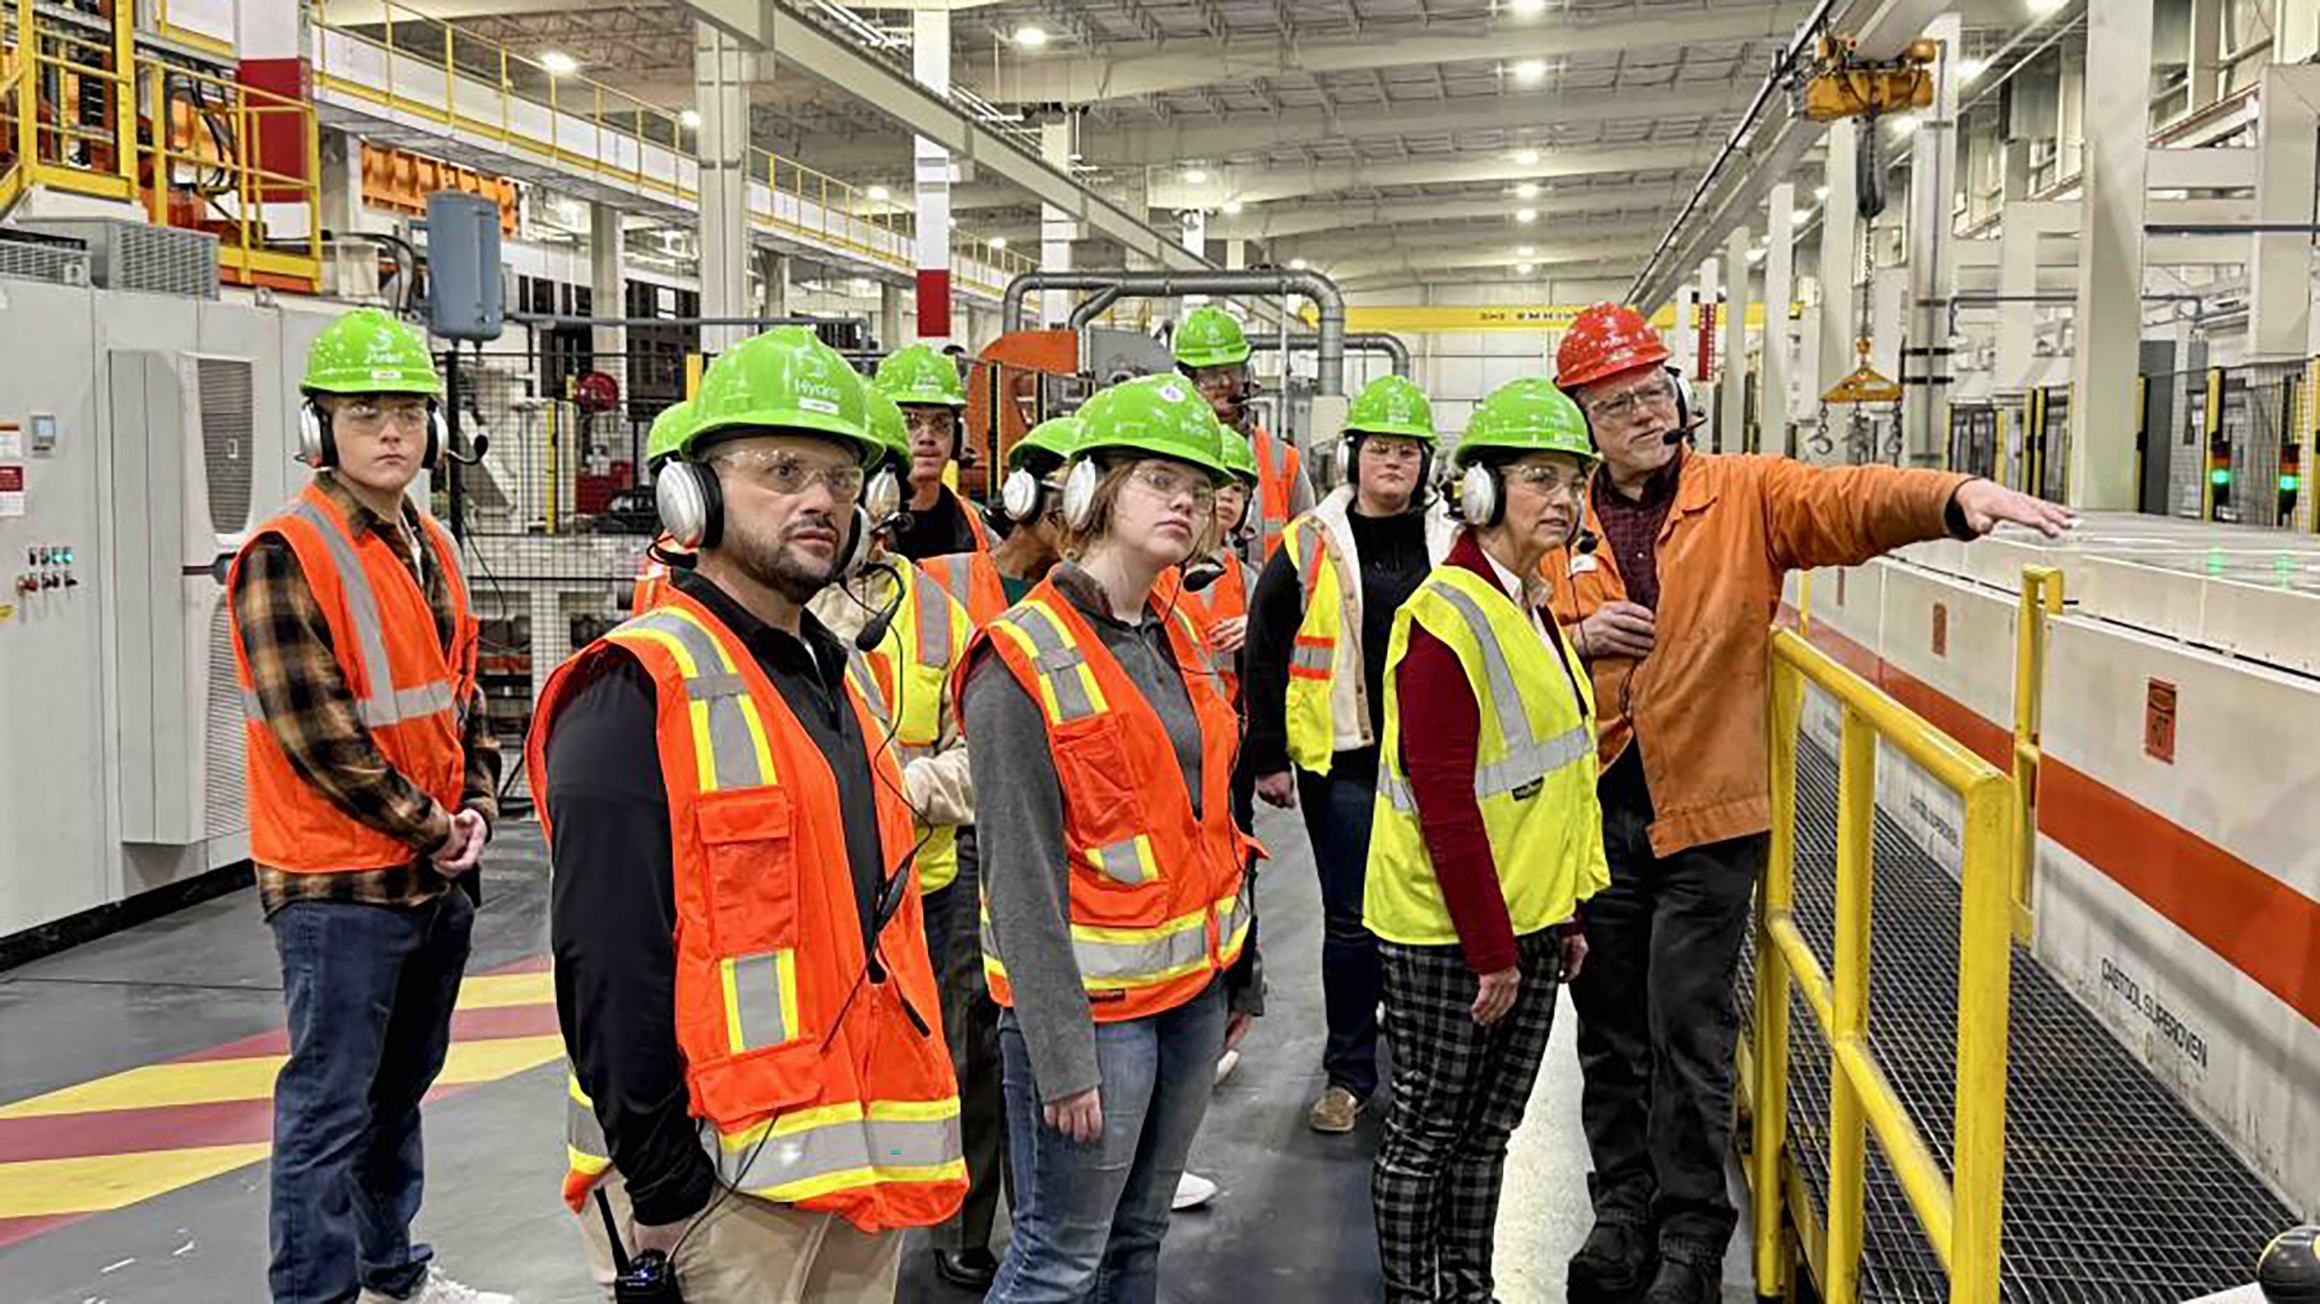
1614 1264
1686 1279
967 1269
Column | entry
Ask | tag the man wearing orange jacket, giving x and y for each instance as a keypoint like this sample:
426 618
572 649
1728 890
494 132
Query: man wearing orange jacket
1212 350
761 1092
1672 615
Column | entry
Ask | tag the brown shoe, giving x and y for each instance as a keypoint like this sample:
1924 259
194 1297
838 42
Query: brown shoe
1335 1111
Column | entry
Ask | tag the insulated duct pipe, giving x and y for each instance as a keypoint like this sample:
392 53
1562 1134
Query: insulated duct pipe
1329 360
1355 342
1094 306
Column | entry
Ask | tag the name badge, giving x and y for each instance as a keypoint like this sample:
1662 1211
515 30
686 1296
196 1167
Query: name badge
1582 562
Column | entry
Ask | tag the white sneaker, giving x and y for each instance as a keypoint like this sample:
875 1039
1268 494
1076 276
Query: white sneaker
439 1289
1192 1191
1226 1063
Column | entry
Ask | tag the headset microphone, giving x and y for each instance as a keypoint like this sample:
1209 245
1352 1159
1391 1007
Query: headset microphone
480 443
874 633
1198 575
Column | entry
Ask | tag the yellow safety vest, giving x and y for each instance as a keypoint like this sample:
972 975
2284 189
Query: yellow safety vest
1322 652
926 641
1534 769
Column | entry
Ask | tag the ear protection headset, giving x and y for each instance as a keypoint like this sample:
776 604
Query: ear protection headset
1022 496
1482 502
1079 492
318 445
692 509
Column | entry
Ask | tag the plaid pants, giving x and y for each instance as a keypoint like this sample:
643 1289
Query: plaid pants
1459 1092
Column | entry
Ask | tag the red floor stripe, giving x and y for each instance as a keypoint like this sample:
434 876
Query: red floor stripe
466 1025
13 1230
122 1131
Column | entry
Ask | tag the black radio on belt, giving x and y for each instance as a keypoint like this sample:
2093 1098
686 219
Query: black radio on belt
649 1278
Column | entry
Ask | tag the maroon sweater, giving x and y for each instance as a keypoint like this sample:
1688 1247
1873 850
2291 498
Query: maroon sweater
1440 762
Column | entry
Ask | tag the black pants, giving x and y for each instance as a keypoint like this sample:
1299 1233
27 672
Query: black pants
1337 818
1459 1093
970 1020
1657 1023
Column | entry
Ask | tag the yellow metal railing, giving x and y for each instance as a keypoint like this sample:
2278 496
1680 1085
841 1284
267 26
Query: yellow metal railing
481 89
2041 598
1961 1217
15 128
245 250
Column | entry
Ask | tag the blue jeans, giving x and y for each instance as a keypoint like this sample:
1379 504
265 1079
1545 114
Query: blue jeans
1337 818
1089 1218
370 991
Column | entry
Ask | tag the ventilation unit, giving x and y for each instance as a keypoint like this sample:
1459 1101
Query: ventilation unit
33 256
136 256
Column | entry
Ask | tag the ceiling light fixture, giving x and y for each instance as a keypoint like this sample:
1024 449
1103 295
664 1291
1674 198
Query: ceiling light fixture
1526 216
556 63
1525 269
1529 158
879 194
1296 264
1527 250
1968 69
1527 190
1232 208
1530 72
1904 125
691 118
1820 193
2041 8
1196 176
997 242
1030 36
1526 8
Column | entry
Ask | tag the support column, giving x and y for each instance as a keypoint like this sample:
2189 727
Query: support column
1933 174
2018 229
351 268
2295 31
930 62
889 317
607 290
1732 402
2071 116
722 72
1192 233
2110 257
772 284
1779 291
1056 229
2287 169
272 40
2203 55
1236 255
1704 342
1840 264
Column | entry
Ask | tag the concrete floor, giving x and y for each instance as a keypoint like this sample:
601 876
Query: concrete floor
1293 1214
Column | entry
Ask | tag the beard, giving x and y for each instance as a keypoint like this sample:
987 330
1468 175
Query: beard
771 559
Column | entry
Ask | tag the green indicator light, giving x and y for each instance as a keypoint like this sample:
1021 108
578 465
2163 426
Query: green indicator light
2290 483
2219 476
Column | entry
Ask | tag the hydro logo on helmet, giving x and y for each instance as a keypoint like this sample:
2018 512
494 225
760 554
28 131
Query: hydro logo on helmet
787 379
1530 415
368 352
918 375
1157 416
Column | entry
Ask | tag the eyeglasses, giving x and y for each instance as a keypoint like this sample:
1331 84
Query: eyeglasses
1384 448
1548 481
370 415
940 421
1168 484
787 473
1219 377
1660 393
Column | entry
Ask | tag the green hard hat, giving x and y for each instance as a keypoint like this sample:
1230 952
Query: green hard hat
368 352
1056 436
668 432
1210 337
1163 416
918 375
1526 416
1240 456
1391 405
787 379
887 425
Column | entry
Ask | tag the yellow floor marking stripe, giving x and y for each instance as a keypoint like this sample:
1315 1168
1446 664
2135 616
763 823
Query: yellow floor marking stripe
252 1078
34 1188
498 991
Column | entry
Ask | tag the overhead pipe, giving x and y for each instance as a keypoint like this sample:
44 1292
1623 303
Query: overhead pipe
1094 306
1355 342
1328 301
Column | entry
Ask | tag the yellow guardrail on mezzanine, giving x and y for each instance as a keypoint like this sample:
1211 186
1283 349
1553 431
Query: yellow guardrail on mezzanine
1961 1217
2040 600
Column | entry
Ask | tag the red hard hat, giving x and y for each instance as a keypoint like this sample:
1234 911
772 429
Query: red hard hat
1607 339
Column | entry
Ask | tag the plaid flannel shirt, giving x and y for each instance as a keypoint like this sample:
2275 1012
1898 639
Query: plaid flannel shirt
313 716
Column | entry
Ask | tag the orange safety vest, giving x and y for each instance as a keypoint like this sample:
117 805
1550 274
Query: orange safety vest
1219 602
973 579
1159 904
413 694
1277 463
825 1090
984 539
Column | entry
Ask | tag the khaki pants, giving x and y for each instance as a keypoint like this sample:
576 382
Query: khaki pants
745 1250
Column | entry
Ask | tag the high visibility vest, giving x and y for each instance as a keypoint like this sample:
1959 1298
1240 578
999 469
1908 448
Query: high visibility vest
1327 707
1534 772
823 1089
653 577
1221 601
1159 905
972 580
984 539
1277 463
910 668
411 691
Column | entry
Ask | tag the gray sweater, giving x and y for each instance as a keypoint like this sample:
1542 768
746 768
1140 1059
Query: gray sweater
1019 835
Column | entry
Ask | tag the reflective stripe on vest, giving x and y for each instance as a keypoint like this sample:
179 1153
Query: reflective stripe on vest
1068 692
1528 759
959 574
1273 488
811 1152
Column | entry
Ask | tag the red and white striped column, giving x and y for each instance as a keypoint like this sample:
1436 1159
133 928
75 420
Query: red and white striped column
930 58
